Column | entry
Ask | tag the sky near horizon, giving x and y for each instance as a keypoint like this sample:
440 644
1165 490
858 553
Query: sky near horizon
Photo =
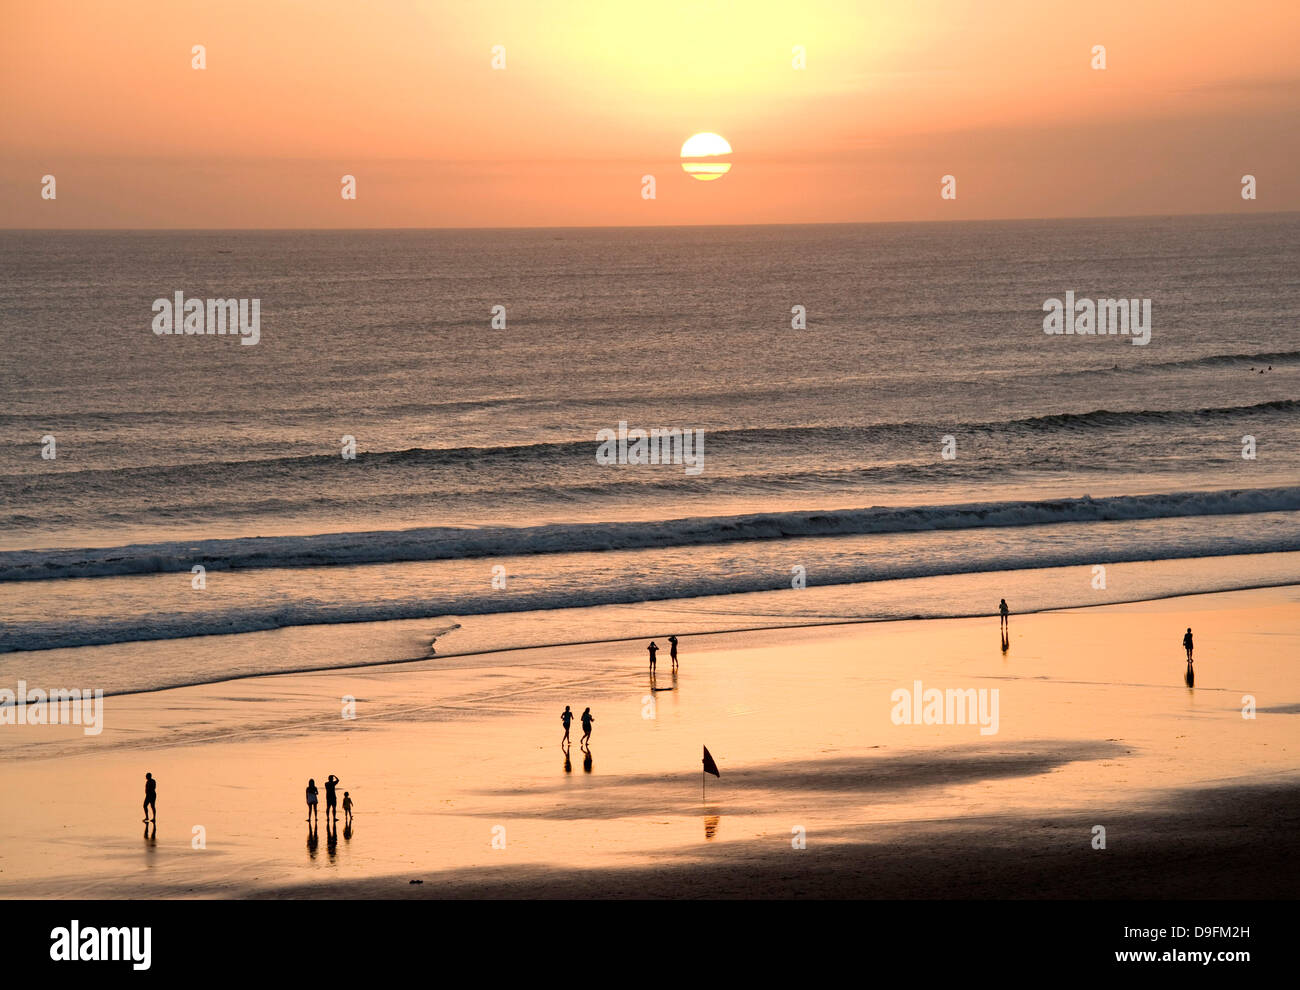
594 95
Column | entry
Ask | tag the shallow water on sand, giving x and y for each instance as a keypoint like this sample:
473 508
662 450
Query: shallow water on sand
1093 718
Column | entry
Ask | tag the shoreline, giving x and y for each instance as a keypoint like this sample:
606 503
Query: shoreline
769 610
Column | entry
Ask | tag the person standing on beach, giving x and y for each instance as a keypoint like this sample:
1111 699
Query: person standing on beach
672 651
347 810
1187 644
653 648
150 797
311 799
587 719
331 799
566 717
1005 612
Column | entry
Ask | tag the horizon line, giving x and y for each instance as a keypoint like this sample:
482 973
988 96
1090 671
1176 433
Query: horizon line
644 226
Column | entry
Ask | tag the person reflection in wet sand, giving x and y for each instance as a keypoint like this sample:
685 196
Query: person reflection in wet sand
586 760
347 830
1006 643
312 838
331 836
151 837
568 764
1189 678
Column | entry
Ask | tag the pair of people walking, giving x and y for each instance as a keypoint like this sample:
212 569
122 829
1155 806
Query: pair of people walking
566 718
653 650
331 799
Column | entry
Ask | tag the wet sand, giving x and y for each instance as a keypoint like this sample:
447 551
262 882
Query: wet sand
460 782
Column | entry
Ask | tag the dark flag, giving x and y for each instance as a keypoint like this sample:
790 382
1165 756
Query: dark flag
709 765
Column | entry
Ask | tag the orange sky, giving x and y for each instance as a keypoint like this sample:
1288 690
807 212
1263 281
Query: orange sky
597 93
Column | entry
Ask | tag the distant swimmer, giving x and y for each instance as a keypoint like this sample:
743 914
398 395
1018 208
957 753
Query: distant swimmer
672 652
150 797
331 799
587 719
566 717
1187 644
653 648
311 799
347 810
1002 608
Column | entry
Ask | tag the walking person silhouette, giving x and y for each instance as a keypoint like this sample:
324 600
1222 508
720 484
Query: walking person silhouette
587 719
1187 644
1004 611
566 717
150 797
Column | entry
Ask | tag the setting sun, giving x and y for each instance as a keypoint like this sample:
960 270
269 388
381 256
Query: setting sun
707 146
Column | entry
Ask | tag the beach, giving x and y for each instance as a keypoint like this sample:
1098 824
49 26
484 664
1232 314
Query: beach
460 782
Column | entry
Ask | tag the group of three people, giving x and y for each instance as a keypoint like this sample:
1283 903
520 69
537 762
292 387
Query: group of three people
331 800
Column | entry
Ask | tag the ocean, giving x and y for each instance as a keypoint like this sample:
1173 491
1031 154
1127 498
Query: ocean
919 447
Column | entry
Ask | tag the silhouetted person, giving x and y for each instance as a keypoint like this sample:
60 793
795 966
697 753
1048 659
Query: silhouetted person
653 649
311 798
150 797
1187 644
672 650
587 719
1004 611
347 809
566 717
331 799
